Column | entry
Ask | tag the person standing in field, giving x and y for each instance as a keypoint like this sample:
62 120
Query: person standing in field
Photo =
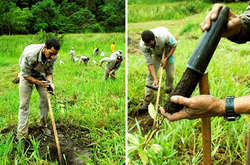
36 60
113 64
72 54
96 52
112 47
152 44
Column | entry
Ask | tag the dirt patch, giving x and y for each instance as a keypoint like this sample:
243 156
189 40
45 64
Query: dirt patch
144 120
133 46
243 79
74 142
192 37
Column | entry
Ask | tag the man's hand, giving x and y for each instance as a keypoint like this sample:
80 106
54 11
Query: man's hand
111 74
53 88
196 107
44 84
233 25
155 83
164 62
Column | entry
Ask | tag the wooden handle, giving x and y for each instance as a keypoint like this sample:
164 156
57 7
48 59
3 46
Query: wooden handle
206 124
54 129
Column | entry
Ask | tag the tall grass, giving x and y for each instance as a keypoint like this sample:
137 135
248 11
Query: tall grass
164 11
180 142
82 96
144 11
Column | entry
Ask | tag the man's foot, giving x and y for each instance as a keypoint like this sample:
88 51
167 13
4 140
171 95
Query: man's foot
143 109
168 90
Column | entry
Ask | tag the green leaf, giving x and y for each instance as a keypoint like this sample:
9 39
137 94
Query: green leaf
156 148
151 111
143 156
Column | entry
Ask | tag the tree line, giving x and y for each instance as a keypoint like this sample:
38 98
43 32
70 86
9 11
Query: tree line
61 16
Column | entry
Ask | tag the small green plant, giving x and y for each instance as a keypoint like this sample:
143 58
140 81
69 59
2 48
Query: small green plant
43 36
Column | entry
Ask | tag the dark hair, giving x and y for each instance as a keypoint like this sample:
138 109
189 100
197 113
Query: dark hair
147 36
119 57
52 42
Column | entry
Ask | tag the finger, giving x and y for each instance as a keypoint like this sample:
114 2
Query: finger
215 11
175 116
181 100
207 22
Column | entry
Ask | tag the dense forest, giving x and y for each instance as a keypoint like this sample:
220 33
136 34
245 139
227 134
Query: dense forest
61 16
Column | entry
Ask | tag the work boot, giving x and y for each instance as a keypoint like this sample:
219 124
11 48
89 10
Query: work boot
143 108
44 128
168 90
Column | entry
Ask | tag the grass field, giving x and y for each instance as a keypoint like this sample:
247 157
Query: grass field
180 142
83 98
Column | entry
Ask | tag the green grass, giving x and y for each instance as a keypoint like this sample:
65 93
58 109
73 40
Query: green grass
99 105
145 11
180 142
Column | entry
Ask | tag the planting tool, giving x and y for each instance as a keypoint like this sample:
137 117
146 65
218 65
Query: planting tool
54 128
248 148
206 124
49 89
199 60
156 125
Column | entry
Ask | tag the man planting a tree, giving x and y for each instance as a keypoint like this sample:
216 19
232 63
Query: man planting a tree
152 44
36 60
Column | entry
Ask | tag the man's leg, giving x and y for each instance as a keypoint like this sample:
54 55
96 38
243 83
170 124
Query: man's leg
113 78
25 91
149 93
106 74
170 71
43 105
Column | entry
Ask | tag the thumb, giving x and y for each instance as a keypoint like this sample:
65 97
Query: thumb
181 100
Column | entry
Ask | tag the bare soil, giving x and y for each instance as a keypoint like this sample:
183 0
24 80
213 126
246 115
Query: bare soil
74 141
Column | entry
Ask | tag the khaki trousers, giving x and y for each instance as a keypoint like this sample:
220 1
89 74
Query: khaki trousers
25 91
170 71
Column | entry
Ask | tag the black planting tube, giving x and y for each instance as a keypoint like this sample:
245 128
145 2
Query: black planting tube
199 60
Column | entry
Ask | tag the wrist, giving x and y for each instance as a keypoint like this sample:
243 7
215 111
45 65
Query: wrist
220 107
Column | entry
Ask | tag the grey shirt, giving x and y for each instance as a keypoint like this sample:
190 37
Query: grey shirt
244 34
163 39
111 61
32 64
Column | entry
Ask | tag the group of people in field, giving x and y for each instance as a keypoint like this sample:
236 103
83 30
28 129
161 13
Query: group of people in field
36 69
113 62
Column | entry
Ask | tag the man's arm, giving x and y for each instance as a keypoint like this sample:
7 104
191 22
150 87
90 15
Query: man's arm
170 53
151 69
205 106
106 59
36 81
26 69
